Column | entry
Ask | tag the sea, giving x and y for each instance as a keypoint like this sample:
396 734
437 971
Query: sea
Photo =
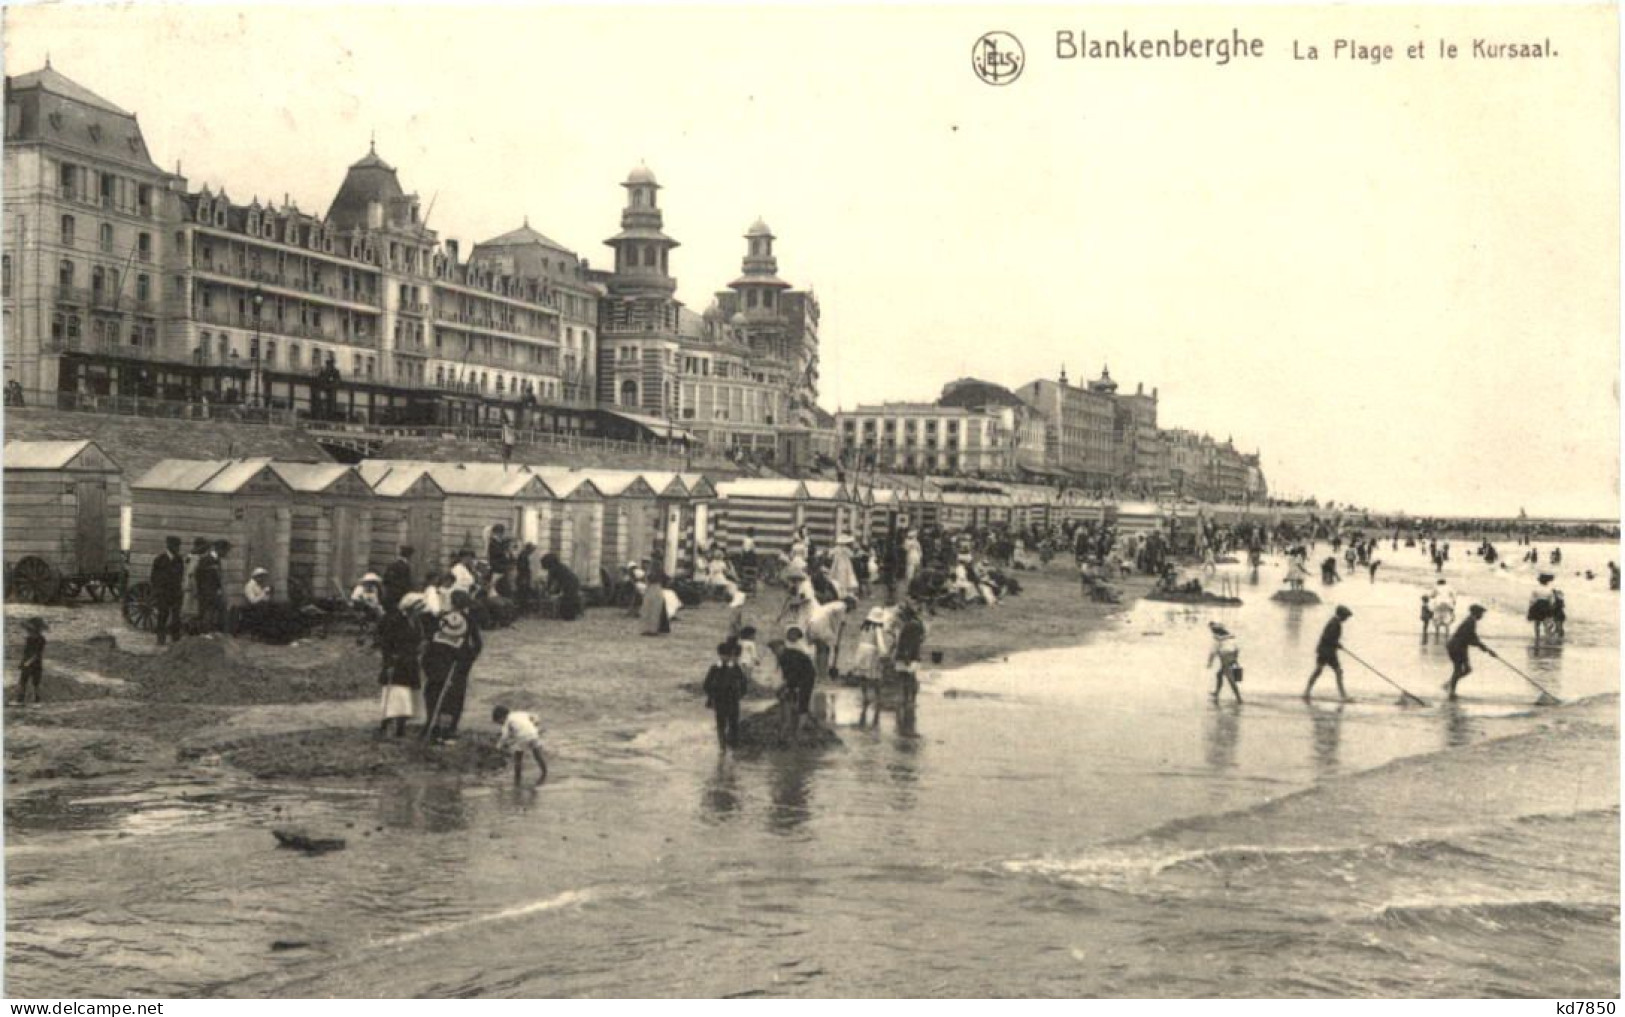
1066 822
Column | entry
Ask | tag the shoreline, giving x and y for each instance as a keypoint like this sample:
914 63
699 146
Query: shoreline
119 708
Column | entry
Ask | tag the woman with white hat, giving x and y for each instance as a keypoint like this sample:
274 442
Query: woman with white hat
399 641
872 649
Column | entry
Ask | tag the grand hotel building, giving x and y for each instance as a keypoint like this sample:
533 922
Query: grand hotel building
119 280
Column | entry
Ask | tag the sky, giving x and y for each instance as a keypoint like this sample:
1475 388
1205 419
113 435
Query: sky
1399 282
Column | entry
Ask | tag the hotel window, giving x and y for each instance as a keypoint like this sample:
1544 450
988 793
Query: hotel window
5 275
225 348
143 246
68 179
67 230
104 236
143 288
270 353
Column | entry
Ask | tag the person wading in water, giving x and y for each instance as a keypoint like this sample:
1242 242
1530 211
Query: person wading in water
1331 640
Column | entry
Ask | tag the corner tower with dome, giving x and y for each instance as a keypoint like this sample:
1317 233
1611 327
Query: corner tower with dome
741 376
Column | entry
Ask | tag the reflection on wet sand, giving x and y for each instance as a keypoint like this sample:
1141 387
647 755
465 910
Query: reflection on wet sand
720 800
432 806
1327 736
789 780
1222 731
1459 727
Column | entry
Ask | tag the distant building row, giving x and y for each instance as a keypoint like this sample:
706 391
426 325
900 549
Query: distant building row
120 280
1091 435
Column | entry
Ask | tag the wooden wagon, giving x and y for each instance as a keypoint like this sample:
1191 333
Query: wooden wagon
63 517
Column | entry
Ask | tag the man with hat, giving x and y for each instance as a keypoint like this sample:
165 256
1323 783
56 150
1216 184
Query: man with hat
32 669
169 589
910 648
799 673
1331 640
1466 635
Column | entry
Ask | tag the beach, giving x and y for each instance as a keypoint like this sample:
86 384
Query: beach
1065 813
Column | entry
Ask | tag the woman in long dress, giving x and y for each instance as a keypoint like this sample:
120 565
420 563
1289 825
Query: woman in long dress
400 640
841 572
655 621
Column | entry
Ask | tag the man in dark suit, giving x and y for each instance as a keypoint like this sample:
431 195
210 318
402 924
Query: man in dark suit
398 578
168 589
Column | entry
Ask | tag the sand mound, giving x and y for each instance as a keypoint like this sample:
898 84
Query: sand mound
753 690
1203 598
764 731
219 669
347 752
1303 597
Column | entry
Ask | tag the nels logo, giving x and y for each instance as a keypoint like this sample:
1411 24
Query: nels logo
997 58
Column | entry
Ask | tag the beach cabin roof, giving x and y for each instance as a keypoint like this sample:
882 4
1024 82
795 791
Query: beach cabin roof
213 476
618 483
825 490
758 487
569 486
83 455
667 484
322 478
699 485
398 480
481 480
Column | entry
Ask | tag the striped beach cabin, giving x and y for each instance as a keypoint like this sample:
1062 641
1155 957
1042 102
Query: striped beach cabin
772 509
571 525
632 519
702 498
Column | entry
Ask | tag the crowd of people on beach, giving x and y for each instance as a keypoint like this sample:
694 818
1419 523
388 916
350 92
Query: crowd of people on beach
429 629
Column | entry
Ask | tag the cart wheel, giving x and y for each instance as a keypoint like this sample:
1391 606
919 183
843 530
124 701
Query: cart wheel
141 607
34 581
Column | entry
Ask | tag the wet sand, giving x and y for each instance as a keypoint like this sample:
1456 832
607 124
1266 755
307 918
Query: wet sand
1078 820
116 704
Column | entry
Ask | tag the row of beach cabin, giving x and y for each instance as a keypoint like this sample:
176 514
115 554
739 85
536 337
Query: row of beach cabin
319 526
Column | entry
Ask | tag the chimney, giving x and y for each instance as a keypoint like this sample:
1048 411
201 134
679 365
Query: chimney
1153 393
451 251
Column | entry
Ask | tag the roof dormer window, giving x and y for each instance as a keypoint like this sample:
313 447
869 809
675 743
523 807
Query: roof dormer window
96 133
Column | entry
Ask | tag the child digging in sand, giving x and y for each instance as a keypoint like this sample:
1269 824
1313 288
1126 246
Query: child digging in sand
520 734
